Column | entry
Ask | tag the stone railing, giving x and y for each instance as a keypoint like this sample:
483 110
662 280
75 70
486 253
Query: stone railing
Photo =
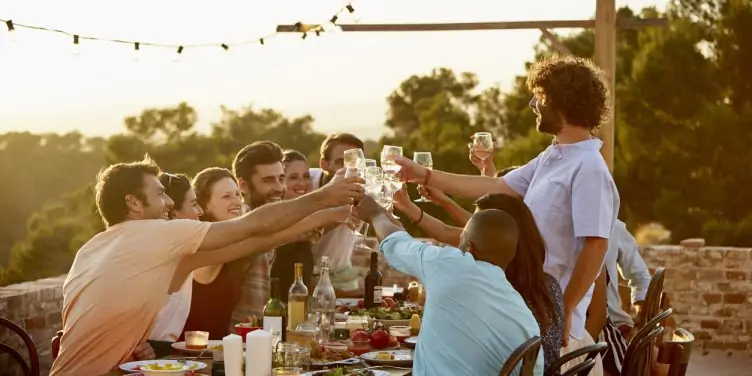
710 290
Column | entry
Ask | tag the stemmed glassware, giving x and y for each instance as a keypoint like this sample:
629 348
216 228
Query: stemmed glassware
390 167
424 159
371 163
483 145
355 164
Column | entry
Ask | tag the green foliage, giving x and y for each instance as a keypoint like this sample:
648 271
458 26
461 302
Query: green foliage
683 119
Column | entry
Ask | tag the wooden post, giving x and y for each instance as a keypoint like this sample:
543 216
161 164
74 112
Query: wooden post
605 57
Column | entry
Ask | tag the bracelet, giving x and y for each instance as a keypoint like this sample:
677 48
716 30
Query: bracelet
425 183
415 222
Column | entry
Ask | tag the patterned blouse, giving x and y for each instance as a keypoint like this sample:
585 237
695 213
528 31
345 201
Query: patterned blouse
552 337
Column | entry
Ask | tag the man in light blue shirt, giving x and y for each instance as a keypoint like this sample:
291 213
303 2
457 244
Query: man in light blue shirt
624 258
474 319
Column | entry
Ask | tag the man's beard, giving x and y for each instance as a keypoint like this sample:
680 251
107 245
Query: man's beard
547 122
257 199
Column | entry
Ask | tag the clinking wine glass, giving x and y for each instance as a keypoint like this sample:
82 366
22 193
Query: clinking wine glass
371 163
424 159
355 164
483 145
388 163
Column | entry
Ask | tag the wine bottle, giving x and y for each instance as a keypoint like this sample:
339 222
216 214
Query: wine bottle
275 315
297 300
373 283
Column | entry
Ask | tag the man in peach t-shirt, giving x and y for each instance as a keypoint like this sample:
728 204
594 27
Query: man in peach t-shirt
120 278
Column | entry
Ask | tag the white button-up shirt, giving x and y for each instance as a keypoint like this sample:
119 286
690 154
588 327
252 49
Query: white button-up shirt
624 258
572 195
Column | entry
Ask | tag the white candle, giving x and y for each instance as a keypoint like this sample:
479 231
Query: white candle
258 353
232 346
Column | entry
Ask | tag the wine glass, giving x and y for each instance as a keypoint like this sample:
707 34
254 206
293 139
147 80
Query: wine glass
371 163
423 158
388 163
360 238
483 145
355 163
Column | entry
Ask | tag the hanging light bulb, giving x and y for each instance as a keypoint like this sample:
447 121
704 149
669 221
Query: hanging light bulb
355 17
137 49
76 47
179 55
12 33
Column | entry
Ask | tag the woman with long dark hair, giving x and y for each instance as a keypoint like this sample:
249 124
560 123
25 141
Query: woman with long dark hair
541 291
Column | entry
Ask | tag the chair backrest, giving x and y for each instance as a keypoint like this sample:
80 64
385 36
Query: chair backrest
28 369
590 352
651 305
643 358
639 353
676 352
582 369
527 353
55 344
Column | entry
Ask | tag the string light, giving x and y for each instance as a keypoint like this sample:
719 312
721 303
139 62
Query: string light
11 34
137 48
76 48
331 26
355 17
178 55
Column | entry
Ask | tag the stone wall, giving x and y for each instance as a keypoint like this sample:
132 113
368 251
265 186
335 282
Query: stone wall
710 289
36 306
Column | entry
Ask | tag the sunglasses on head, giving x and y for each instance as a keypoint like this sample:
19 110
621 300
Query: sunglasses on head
170 177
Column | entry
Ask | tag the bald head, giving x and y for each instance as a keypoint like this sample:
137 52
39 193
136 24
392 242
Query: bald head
491 236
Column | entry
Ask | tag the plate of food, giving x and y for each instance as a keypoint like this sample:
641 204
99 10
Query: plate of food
162 367
395 358
390 313
340 371
212 345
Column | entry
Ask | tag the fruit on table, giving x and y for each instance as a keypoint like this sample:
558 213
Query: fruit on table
360 335
415 324
379 339
389 303
393 341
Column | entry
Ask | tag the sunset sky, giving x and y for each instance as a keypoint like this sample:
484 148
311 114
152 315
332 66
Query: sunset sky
341 79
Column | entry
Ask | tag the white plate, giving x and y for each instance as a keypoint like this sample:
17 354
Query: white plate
180 346
314 373
402 358
412 341
131 366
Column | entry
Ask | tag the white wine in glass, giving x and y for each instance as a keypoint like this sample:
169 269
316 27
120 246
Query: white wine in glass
483 145
388 163
355 158
424 159
371 163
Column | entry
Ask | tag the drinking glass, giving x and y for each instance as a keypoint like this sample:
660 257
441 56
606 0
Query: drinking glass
286 371
388 163
288 353
196 340
483 145
360 238
371 163
424 159
355 163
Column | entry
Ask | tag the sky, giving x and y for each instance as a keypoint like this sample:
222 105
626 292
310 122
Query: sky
341 79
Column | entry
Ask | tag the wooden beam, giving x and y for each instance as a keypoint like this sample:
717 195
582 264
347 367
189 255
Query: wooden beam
635 23
605 57
556 42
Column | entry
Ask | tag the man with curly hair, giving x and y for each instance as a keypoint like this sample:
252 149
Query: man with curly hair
568 186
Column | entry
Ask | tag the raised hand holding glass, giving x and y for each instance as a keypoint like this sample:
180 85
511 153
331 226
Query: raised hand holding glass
424 159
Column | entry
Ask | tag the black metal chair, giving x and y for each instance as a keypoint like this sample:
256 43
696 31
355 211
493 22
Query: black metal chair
582 369
28 369
589 352
527 354
635 361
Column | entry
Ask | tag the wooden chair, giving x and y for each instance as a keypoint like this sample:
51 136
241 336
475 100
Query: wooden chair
527 353
55 344
676 352
651 305
28 369
590 352
582 369
638 350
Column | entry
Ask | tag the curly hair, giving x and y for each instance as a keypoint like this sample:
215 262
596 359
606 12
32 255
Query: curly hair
572 87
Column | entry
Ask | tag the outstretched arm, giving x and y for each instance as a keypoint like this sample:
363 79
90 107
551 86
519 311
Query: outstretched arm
274 217
255 245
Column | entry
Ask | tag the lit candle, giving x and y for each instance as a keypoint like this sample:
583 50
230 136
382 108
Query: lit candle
232 346
258 353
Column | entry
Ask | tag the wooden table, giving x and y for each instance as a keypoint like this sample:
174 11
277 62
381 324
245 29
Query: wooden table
207 370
